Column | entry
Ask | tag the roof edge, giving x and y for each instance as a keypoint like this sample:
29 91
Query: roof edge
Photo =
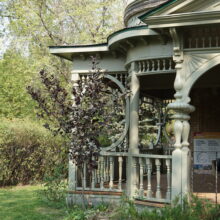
78 46
160 7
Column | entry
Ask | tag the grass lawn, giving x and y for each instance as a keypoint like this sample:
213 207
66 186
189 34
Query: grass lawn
24 203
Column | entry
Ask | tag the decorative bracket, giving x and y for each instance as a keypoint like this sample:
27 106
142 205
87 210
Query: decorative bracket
177 47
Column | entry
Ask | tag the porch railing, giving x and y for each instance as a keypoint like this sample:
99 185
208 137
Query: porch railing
154 173
153 182
108 176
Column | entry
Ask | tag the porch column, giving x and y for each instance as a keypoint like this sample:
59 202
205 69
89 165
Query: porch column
72 175
132 174
181 156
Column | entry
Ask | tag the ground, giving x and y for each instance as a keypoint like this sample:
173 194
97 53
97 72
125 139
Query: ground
24 203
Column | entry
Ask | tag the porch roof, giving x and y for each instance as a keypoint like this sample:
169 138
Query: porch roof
113 44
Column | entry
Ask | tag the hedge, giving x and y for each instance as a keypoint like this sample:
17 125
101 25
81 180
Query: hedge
29 152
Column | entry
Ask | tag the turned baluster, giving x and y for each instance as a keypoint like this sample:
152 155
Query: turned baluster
153 65
164 64
84 176
83 80
107 169
168 195
98 172
149 170
86 78
111 173
93 178
102 172
144 66
121 78
158 164
120 161
148 66
139 67
136 179
158 65
170 64
141 191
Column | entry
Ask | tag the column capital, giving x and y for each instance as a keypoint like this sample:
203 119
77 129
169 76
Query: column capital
182 110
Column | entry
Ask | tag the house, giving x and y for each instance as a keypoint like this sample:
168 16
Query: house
169 51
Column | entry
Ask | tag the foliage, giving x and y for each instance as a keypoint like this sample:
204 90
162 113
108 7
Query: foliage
79 112
55 184
15 73
29 27
34 25
197 209
63 22
28 152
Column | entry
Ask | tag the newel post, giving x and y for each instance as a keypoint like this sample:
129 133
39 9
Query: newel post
132 169
182 109
72 175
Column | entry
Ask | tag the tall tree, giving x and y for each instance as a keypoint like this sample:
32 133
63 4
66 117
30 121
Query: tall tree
15 74
33 25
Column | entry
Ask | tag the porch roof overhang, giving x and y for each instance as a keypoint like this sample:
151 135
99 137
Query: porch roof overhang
68 52
116 42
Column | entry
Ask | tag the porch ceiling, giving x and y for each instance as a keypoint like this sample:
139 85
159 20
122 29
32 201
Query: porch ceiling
160 85
210 79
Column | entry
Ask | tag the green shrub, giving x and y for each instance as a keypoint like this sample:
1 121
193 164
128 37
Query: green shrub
28 152
55 185
197 209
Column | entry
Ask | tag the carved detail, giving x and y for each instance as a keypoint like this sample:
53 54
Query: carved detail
194 61
178 54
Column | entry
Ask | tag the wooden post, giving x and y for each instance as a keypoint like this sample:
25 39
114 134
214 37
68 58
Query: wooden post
120 161
132 173
141 190
111 173
168 194
158 192
102 172
149 170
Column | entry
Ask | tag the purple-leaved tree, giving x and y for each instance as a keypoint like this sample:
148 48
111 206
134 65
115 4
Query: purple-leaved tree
86 114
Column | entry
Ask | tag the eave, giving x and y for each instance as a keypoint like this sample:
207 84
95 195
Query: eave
67 52
114 42
183 19
128 33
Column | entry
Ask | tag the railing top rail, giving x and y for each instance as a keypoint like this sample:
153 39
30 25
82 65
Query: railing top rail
125 154
153 156
114 154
